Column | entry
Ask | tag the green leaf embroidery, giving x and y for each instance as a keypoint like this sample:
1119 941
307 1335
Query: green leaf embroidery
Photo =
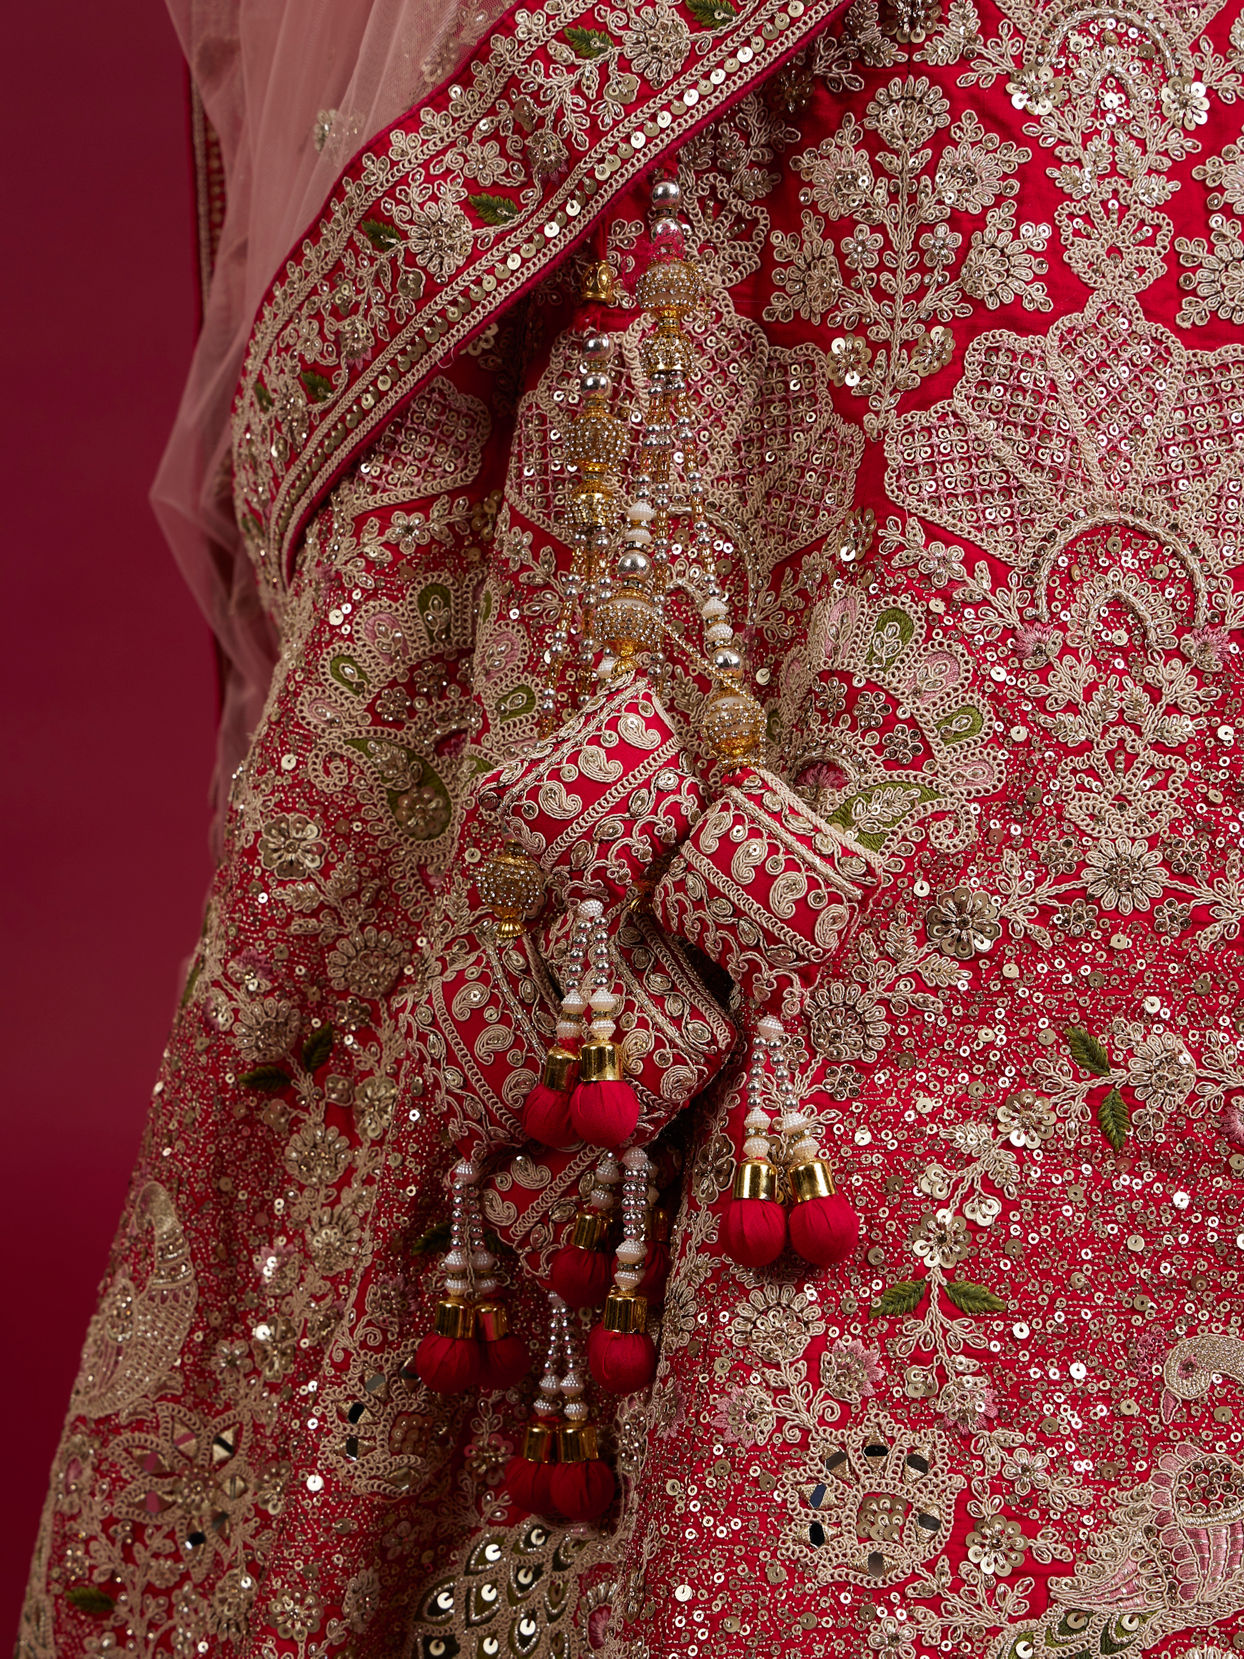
904 1297
263 397
494 210
87 1599
970 1298
383 236
1115 1119
712 14
436 1238
588 43
317 386
267 1078
1086 1051
318 1048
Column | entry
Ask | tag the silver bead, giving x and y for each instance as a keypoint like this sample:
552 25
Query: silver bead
726 660
633 564
595 380
665 229
666 193
597 347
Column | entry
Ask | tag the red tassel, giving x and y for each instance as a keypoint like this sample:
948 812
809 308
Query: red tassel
824 1230
604 1109
582 1487
604 1114
448 1364
546 1111
656 1271
528 1477
581 1277
753 1231
546 1118
503 1356
622 1362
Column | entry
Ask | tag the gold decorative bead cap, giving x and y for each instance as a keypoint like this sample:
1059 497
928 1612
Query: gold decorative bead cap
600 284
491 1321
600 1062
625 1313
540 1443
814 1179
577 1443
755 1179
454 1319
589 1228
561 1068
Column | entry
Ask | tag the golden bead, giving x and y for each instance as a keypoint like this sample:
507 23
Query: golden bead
669 285
512 887
734 723
600 285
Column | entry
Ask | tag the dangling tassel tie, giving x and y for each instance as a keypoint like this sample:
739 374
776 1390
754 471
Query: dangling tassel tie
621 1356
504 1358
546 1111
448 1360
529 1475
824 1229
582 1484
581 1270
604 1108
753 1229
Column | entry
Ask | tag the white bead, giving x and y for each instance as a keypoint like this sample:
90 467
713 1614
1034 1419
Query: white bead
573 1384
608 1169
466 1172
483 1261
631 1251
757 1120
721 633
713 609
769 1028
578 1411
485 1286
636 1160
549 1383
602 1030
454 1261
573 1003
756 1147
628 1278
600 1198
805 1150
603 1002
568 1030
639 512
591 909
793 1123
637 536
457 1287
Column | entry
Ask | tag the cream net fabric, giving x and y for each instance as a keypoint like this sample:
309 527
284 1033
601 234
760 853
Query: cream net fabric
292 88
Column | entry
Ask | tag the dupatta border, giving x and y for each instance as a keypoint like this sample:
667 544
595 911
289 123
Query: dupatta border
304 411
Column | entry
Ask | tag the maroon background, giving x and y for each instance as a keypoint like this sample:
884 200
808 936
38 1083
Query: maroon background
105 675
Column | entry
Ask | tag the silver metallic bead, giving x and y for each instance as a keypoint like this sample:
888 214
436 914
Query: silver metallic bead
666 193
595 380
598 346
633 564
726 660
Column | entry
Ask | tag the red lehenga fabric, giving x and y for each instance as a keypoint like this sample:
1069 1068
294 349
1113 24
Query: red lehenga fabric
984 285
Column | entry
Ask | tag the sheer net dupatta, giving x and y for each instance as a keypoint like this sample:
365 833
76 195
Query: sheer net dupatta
290 90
